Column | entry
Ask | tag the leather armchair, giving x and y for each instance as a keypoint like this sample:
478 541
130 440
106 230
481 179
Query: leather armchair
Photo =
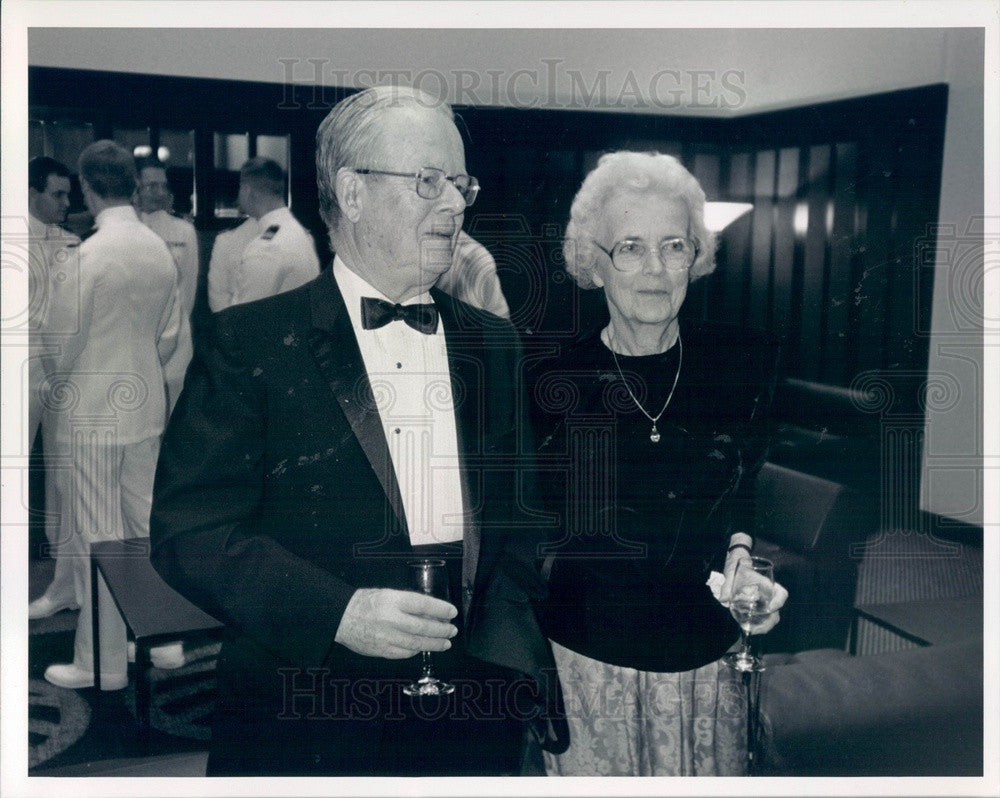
916 712
810 527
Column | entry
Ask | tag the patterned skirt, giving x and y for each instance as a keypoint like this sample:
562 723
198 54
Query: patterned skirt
626 722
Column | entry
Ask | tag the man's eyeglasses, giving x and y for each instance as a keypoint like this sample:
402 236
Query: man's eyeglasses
629 254
430 182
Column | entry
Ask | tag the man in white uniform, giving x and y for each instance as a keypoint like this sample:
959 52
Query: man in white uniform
245 259
227 253
283 255
119 372
155 202
53 254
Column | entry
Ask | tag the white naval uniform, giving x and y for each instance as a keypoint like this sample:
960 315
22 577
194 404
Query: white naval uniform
281 258
227 252
182 240
55 260
113 385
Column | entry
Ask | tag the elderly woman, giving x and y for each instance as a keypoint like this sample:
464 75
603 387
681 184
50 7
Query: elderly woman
652 432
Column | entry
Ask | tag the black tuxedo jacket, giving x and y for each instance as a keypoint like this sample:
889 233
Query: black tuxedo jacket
275 499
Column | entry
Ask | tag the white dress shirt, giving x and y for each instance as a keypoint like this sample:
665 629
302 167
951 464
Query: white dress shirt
410 379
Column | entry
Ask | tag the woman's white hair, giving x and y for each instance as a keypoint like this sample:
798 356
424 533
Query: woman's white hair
635 172
350 137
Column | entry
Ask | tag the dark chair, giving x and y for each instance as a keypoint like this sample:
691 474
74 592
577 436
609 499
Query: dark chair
916 712
828 431
808 527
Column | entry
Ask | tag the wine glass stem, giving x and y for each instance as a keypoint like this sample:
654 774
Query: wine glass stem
426 656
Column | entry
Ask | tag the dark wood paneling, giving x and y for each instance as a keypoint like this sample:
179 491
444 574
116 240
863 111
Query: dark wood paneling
841 193
816 263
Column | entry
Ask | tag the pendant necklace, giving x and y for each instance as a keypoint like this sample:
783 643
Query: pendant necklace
654 434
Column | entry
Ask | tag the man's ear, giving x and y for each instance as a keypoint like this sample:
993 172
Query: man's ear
350 194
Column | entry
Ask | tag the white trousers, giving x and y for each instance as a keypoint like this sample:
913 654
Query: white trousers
58 532
105 495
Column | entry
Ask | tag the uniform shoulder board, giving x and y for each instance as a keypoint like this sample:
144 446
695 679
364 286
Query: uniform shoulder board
271 231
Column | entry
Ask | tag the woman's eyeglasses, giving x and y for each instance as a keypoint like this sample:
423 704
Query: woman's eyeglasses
430 182
629 254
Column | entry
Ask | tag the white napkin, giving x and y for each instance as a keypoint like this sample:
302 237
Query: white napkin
715 583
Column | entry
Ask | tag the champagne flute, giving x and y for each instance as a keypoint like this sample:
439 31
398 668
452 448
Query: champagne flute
431 578
753 587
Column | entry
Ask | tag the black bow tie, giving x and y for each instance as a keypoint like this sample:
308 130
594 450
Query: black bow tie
377 313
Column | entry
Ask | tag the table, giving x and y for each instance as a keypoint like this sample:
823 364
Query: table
926 622
153 611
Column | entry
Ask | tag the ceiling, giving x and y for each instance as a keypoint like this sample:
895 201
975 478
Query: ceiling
693 72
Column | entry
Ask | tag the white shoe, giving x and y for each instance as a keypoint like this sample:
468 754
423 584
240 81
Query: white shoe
45 605
74 678
168 657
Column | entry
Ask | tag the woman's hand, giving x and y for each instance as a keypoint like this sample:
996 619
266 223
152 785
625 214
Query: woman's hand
778 597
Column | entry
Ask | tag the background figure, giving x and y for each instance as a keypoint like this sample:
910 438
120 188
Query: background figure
280 258
652 432
473 278
329 434
54 259
112 383
155 203
227 253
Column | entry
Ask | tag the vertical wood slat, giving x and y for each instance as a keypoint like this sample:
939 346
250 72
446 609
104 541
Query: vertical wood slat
763 225
839 295
735 246
815 262
879 199
908 285
784 240
705 293
799 218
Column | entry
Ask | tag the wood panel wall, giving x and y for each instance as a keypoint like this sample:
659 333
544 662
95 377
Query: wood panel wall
842 192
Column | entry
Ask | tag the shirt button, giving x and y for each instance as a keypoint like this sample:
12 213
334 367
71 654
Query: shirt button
396 430
399 365
468 588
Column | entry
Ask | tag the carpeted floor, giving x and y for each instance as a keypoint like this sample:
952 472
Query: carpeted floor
72 727
912 566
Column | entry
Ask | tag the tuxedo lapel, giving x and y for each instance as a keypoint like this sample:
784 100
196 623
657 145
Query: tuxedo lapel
335 348
465 364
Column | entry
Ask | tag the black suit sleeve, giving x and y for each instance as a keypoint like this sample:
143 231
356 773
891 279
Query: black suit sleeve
206 498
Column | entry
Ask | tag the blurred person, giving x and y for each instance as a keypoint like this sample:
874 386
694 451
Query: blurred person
53 258
114 379
155 203
329 434
280 258
660 429
227 252
473 278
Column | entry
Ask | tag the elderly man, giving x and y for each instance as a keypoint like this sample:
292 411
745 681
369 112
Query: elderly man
117 373
155 202
328 437
282 256
53 254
